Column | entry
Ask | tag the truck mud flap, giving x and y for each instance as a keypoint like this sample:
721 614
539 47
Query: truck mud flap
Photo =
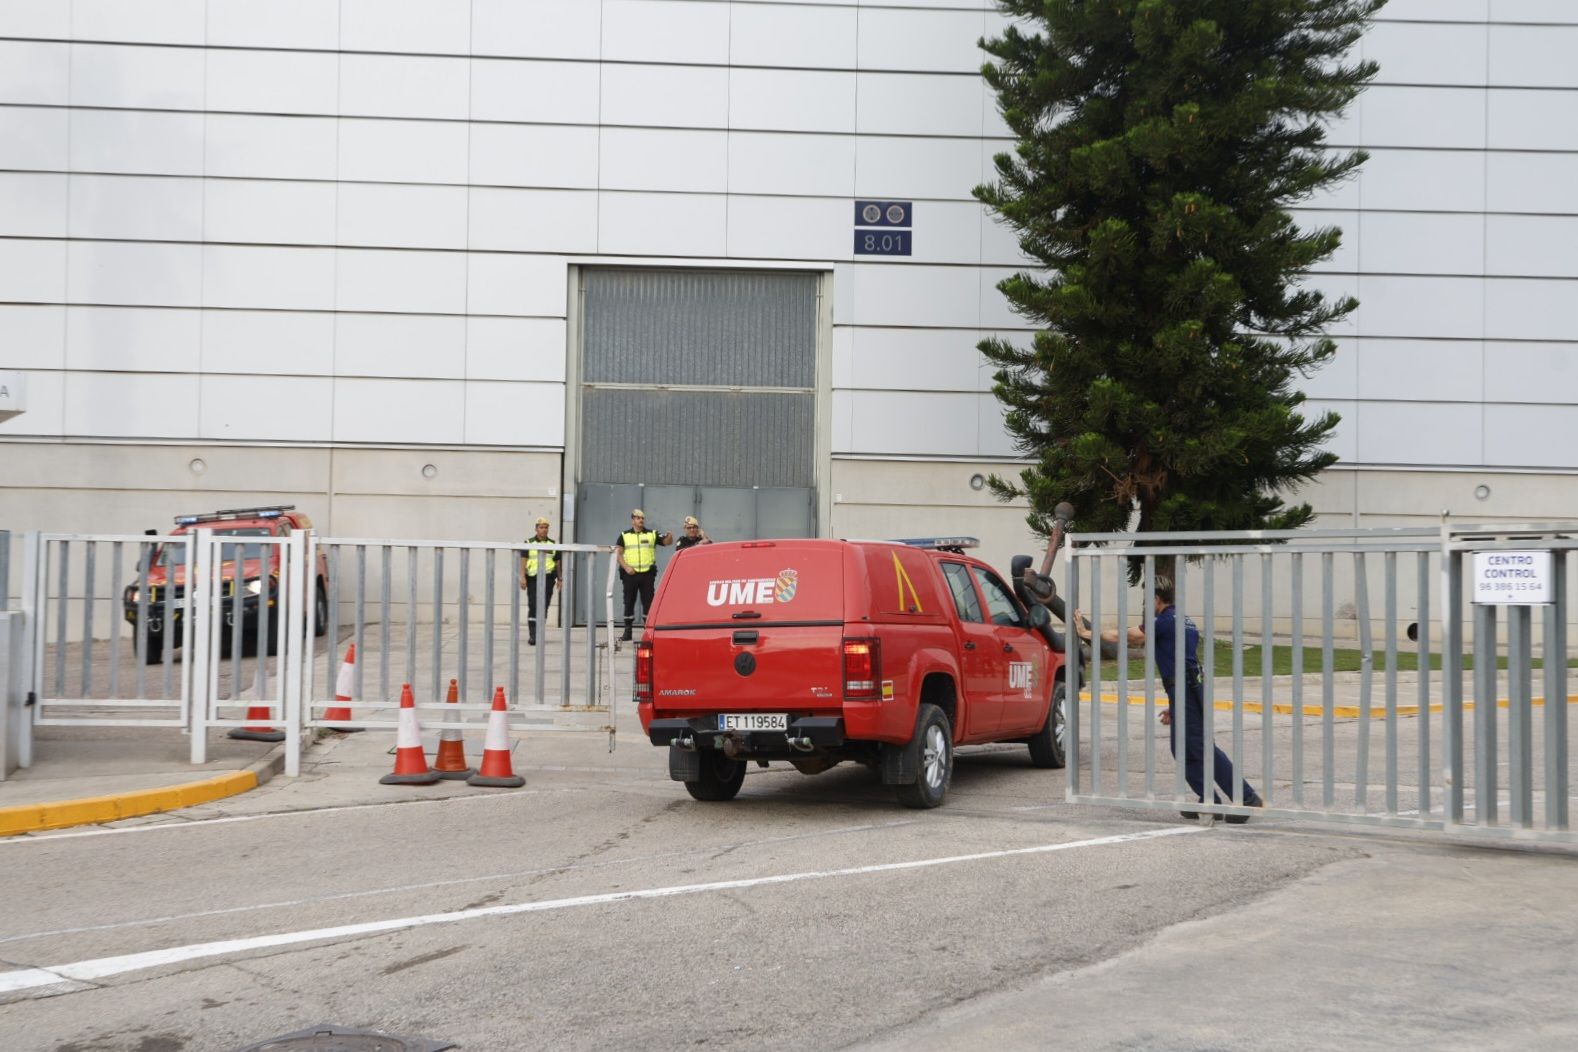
901 763
684 765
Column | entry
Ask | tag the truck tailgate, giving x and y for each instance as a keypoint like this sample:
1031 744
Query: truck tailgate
776 667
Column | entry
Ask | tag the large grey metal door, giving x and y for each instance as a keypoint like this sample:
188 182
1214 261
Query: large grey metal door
697 397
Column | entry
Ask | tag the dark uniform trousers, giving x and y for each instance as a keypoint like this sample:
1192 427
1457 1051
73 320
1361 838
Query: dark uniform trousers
638 585
1194 749
531 601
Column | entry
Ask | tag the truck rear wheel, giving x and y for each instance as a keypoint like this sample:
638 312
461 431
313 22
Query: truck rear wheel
933 744
720 779
1046 745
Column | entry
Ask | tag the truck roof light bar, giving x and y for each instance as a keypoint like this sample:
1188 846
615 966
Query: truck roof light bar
270 511
940 544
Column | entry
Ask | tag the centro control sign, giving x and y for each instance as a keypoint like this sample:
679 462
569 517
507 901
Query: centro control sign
1512 578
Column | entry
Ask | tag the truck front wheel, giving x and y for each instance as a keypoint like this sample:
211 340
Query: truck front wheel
933 747
720 779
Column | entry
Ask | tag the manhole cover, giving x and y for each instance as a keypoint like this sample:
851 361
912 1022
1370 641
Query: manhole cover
345 1039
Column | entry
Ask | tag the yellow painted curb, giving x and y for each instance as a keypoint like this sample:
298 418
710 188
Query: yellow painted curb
1343 712
33 818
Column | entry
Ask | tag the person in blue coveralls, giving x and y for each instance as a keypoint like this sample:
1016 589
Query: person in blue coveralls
1166 623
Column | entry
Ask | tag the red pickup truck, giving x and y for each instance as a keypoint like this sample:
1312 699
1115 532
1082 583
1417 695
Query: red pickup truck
813 652
250 569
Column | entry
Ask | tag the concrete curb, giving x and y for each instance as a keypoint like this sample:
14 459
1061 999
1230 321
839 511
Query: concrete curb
92 810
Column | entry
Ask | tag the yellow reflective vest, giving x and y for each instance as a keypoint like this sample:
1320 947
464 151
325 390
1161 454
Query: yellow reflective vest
531 558
640 550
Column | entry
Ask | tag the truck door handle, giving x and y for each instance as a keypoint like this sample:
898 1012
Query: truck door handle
969 645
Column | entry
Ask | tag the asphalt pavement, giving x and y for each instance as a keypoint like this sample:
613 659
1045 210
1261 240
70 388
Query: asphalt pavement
599 906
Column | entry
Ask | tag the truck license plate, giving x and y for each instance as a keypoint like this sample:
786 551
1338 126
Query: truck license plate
753 721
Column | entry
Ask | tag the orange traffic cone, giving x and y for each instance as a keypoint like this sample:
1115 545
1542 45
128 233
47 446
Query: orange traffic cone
496 771
344 686
451 759
260 729
410 761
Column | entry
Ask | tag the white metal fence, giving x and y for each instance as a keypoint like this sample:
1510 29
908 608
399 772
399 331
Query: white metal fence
427 612
203 630
1334 699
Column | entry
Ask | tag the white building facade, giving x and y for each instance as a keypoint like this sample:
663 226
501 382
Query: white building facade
333 253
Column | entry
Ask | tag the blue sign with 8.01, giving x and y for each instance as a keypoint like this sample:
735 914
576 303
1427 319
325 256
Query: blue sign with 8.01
882 242
893 220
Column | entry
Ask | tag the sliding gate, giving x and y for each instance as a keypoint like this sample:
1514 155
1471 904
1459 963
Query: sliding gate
193 631
1349 675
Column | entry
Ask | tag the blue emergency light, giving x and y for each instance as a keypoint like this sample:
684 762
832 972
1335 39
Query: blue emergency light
940 544
272 511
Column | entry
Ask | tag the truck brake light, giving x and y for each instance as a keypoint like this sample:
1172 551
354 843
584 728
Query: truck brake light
643 671
862 668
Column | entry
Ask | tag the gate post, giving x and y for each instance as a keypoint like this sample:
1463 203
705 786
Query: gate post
200 612
293 641
31 679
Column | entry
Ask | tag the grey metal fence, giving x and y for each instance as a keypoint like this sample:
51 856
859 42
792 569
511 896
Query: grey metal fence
5 570
1334 663
424 613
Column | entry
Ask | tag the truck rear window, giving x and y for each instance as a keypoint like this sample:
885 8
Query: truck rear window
778 581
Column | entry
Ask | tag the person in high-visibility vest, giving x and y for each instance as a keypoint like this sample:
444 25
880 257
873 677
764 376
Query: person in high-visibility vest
637 551
533 564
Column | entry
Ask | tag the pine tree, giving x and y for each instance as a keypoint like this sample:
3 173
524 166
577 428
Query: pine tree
1160 144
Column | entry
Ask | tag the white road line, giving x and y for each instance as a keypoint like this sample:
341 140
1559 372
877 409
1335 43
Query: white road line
708 849
105 967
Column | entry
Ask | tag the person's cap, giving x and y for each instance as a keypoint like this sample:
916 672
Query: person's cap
690 520
637 513
542 520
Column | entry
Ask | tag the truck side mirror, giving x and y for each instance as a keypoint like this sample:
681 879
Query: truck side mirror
1039 616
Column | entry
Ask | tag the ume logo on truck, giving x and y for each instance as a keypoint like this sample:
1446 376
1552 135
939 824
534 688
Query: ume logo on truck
754 590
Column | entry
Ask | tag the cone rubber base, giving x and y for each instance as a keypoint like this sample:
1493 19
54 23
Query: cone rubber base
456 775
257 736
514 781
409 779
346 730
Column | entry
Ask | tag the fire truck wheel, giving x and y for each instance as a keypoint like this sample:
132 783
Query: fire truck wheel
1046 745
933 745
720 779
322 611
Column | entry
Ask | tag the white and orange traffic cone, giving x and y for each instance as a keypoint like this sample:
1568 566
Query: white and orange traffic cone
450 762
410 761
496 771
344 688
259 730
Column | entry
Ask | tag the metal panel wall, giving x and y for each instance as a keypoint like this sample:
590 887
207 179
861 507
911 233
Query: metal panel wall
698 438
709 328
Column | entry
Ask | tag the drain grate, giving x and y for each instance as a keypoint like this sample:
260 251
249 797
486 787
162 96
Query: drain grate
325 1038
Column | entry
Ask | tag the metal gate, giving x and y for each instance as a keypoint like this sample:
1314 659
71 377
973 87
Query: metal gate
230 632
79 588
249 595
425 613
156 631
1328 725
